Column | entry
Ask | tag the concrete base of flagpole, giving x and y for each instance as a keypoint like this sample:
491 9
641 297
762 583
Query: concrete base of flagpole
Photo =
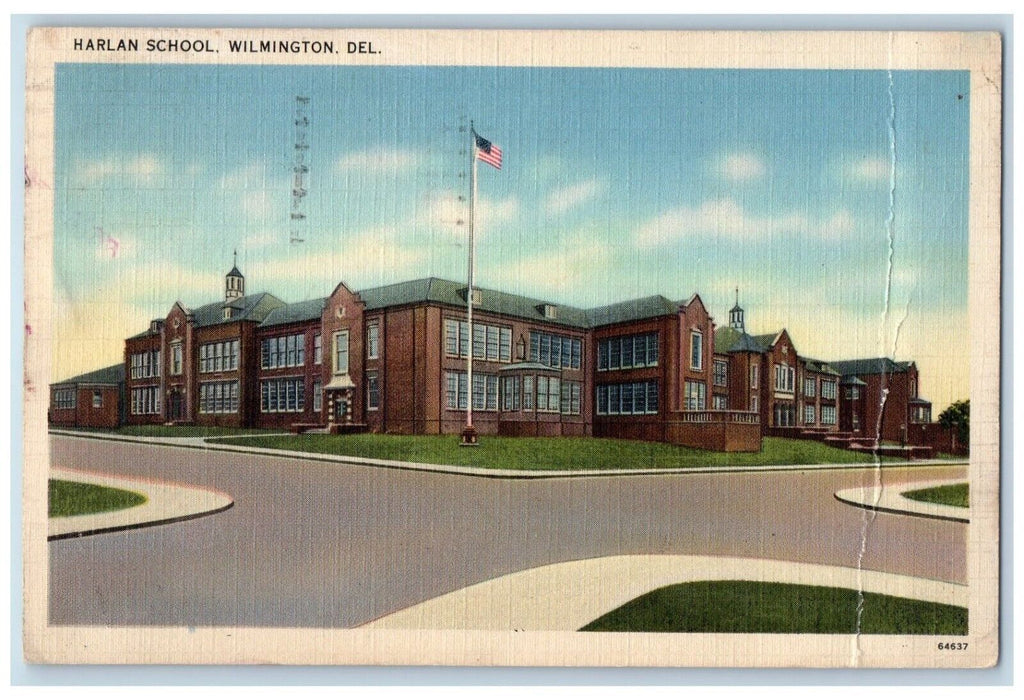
469 437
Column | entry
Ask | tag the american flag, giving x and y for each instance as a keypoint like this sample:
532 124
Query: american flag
487 151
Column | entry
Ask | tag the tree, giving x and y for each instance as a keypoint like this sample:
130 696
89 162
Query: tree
957 417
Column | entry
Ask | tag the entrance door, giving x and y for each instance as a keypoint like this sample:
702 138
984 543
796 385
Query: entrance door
174 405
340 409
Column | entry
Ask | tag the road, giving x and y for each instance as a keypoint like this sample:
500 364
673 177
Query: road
319 544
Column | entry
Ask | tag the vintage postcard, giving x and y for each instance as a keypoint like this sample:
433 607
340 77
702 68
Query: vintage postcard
527 348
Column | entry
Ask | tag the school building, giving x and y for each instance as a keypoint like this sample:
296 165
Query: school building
393 359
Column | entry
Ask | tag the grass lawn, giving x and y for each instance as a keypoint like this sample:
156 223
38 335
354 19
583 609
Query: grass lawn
950 495
745 606
75 498
172 431
551 453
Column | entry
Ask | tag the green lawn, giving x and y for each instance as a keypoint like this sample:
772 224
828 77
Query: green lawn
551 453
745 606
75 498
951 495
172 431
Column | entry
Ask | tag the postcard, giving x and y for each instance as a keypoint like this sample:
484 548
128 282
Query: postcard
531 348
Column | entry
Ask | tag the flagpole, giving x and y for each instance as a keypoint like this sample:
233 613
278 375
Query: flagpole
469 436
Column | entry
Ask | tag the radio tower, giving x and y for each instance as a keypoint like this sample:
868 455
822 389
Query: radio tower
300 170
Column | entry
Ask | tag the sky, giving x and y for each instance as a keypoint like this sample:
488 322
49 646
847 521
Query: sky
836 201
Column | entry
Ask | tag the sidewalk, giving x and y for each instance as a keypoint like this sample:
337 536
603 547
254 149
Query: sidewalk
889 498
202 443
569 595
165 503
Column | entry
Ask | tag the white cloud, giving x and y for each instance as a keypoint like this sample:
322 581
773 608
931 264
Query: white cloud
356 259
140 168
566 198
869 169
741 167
726 218
377 160
251 176
584 261
449 212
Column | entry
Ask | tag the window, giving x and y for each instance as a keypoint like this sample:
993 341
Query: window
784 378
721 373
219 357
485 391
853 393
627 352
284 395
630 398
341 352
809 415
176 359
145 364
97 399
784 415
64 398
510 393
146 400
921 414
284 351
828 416
492 343
318 394
695 397
373 341
557 351
828 389
696 350
720 402
810 386
571 398
913 388
754 405
528 402
318 349
754 378
372 391
548 391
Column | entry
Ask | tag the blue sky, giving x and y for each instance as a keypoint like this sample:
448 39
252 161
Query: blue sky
616 183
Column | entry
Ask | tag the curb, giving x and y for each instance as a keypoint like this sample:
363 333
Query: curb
166 503
895 503
205 444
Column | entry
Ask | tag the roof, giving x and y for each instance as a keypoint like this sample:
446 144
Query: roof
442 291
255 307
293 313
234 272
852 380
633 310
520 366
731 340
766 340
819 366
874 365
108 375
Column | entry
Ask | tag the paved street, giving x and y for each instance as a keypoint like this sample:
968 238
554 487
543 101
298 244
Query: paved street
319 544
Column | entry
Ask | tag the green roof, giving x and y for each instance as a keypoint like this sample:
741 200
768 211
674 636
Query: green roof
731 340
633 310
819 366
766 340
294 313
874 365
255 307
108 375
440 291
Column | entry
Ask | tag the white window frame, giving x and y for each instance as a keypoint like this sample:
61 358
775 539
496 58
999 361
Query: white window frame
373 341
696 348
341 349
